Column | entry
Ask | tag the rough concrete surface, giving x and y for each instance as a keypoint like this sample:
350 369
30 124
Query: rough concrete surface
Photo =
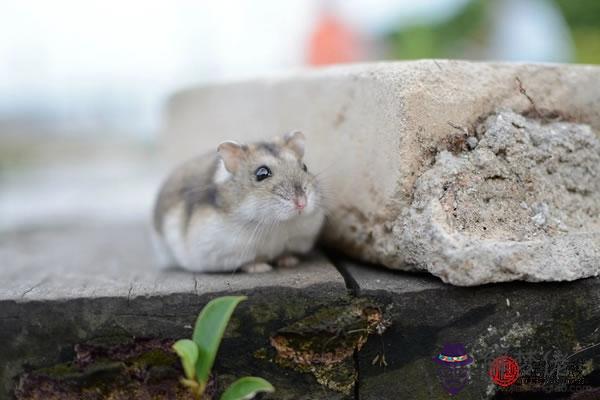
375 130
523 203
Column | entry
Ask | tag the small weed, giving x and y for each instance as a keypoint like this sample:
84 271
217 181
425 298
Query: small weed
198 355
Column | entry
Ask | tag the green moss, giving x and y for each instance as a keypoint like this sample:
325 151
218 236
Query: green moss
262 313
107 341
339 377
59 371
124 371
323 343
560 332
261 354
294 310
154 358
588 367
260 316
233 328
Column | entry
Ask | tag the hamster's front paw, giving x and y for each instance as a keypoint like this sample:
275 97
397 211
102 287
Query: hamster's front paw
287 261
258 267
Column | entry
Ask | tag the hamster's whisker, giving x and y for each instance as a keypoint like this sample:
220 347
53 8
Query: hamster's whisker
326 168
196 189
245 246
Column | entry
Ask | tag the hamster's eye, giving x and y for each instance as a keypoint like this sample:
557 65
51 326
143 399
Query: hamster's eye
262 172
304 167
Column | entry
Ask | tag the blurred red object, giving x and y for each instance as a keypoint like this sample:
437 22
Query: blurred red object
333 42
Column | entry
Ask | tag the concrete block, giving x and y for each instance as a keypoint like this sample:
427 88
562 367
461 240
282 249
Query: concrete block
384 138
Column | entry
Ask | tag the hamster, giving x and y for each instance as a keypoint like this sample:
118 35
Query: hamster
242 207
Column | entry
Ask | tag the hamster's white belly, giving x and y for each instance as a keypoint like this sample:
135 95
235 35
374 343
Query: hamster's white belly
214 243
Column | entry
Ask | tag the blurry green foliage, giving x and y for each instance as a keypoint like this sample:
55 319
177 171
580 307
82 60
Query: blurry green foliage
445 39
583 18
580 13
467 31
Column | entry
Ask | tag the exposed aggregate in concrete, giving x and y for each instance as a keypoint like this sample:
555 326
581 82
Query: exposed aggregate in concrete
521 201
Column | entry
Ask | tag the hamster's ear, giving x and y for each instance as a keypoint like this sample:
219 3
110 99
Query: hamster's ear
231 153
295 142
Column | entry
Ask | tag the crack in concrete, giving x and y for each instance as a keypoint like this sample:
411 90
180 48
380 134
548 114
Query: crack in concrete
27 291
354 291
334 258
129 294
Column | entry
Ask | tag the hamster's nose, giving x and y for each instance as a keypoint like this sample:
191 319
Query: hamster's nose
299 197
300 202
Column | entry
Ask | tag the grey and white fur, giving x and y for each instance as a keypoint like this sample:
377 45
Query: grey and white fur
244 206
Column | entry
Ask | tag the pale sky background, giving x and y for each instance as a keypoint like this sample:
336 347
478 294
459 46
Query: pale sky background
90 64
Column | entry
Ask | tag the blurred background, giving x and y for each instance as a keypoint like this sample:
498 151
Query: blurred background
83 82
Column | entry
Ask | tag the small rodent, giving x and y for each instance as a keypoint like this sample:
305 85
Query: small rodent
244 206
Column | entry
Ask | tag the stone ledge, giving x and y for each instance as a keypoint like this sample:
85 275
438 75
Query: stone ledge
96 285
40 328
71 262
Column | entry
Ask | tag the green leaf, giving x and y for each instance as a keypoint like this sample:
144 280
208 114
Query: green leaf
246 388
209 329
187 350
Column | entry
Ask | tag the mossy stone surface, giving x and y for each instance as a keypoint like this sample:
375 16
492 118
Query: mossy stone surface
551 330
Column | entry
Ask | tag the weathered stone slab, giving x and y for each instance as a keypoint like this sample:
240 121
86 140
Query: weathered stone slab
73 262
552 330
299 328
386 138
95 286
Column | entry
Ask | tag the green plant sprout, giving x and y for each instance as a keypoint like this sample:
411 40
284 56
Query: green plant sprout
198 355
